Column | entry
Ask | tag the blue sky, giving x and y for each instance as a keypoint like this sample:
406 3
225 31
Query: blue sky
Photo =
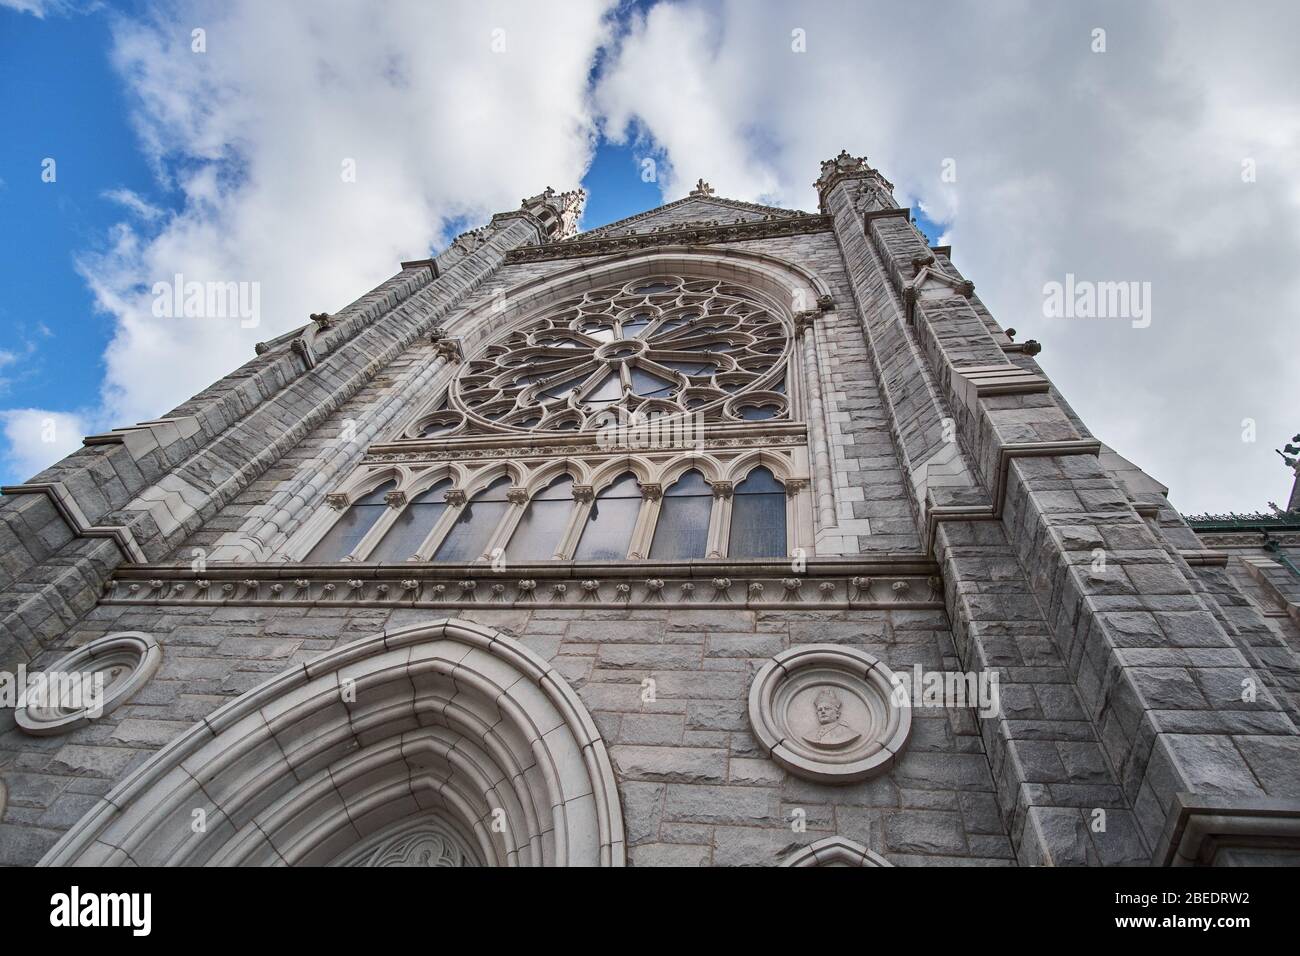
61 100
1118 166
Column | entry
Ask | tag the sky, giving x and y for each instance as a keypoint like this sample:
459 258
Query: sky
302 150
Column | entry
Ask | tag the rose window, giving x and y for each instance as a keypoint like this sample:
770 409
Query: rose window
665 345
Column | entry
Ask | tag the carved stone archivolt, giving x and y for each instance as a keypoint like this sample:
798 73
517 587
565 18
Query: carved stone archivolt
836 851
88 683
829 713
445 720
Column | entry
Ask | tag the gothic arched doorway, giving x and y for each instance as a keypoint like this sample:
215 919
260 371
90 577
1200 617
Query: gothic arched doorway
443 743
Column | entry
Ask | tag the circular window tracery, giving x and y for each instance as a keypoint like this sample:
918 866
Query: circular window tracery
662 345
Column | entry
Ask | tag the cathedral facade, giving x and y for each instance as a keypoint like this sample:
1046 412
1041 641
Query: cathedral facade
721 535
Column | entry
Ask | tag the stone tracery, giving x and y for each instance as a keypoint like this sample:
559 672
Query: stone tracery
666 345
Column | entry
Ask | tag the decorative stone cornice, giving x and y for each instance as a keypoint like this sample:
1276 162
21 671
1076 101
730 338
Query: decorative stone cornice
706 235
901 582
414 451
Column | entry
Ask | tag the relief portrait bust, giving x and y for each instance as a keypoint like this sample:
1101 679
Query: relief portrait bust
831 732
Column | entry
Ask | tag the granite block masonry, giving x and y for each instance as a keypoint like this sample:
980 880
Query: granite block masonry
432 581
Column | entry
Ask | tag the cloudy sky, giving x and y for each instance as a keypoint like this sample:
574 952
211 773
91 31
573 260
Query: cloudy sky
309 147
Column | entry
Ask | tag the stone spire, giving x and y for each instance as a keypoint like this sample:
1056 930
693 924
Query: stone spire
878 190
1291 455
557 212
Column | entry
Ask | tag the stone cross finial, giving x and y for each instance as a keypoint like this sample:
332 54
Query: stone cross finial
702 189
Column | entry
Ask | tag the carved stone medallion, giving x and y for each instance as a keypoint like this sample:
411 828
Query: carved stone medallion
829 713
87 683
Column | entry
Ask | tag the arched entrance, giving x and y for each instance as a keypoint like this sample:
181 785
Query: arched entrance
442 744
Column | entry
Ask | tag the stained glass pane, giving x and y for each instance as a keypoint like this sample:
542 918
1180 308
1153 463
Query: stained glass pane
648 385
609 389
635 325
693 368
351 527
413 525
469 536
608 530
758 517
682 531
538 533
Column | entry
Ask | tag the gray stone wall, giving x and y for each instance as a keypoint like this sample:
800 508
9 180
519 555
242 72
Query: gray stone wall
695 788
1120 686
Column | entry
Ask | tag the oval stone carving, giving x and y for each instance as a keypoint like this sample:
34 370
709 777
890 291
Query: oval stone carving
88 683
829 713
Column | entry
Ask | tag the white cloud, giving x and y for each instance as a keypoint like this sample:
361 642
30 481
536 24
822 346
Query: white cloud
43 8
254 133
37 437
1112 166
134 203
1123 165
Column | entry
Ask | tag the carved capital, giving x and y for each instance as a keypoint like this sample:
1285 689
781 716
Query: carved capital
583 493
795 485
803 321
337 500
454 497
517 496
652 491
722 489
395 499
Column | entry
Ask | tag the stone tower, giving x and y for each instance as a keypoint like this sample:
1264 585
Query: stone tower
723 534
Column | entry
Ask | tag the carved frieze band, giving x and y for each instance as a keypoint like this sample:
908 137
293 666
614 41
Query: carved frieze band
527 447
484 588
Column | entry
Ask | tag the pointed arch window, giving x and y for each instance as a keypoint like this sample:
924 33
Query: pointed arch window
758 517
607 533
682 532
413 525
346 533
538 534
469 536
